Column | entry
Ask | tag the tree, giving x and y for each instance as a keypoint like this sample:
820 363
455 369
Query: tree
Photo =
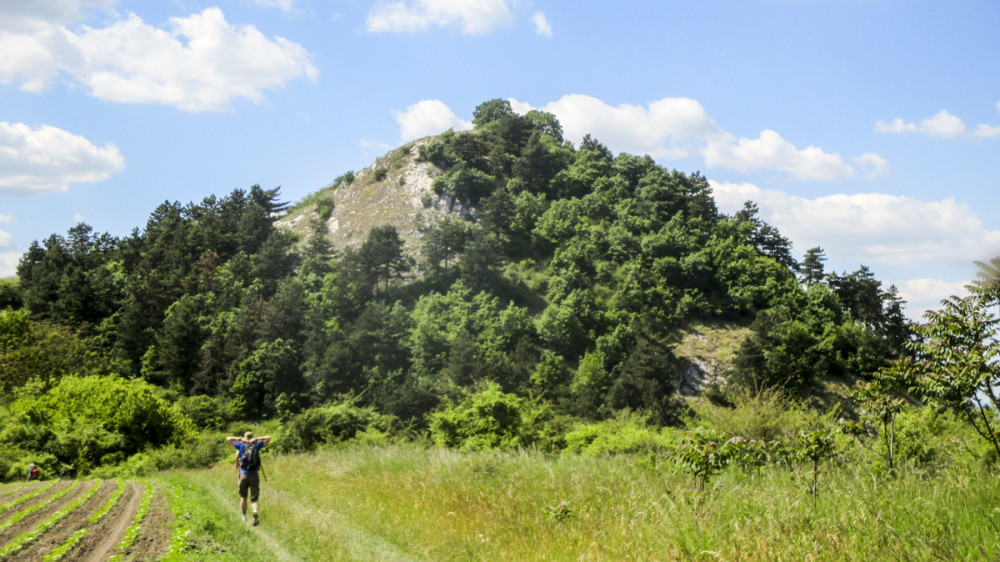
490 111
381 256
811 268
957 362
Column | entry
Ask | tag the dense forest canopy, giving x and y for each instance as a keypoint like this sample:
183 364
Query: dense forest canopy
564 281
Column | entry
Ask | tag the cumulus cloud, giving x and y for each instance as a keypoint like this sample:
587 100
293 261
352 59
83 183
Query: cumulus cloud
428 117
541 24
48 159
871 228
943 124
770 151
197 63
8 263
926 294
473 17
673 128
877 230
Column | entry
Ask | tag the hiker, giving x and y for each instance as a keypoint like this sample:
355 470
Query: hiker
249 449
33 472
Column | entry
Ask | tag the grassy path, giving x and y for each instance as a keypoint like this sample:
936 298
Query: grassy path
292 527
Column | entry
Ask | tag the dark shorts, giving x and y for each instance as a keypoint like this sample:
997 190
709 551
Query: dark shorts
250 481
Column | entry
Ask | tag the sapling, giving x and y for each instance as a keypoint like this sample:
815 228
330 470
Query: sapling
816 446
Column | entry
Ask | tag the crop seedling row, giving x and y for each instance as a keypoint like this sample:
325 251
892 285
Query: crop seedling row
25 538
78 536
27 497
31 509
133 531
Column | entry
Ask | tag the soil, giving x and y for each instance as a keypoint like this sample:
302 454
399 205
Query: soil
103 537
154 534
10 488
16 493
74 521
31 521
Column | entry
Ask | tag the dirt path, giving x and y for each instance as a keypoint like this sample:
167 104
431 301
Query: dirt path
76 520
106 535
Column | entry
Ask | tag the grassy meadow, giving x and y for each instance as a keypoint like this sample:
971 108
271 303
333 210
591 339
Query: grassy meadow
410 502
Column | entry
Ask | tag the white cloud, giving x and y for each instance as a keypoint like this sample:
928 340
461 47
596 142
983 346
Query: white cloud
926 294
771 152
49 159
871 228
541 24
6 240
673 128
474 17
877 230
198 63
987 131
666 128
6 218
942 124
428 117
8 263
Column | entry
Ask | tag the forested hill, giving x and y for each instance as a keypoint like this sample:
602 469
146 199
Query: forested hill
501 255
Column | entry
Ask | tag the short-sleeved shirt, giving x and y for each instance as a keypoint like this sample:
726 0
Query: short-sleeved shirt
242 449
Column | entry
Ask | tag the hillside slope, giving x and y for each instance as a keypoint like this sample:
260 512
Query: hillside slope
402 197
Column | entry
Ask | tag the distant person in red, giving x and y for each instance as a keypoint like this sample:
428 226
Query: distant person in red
249 449
33 472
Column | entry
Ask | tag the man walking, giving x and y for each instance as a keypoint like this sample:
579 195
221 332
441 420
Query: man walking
249 449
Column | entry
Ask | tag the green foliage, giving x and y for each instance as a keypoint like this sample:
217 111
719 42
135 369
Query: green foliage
486 419
10 294
704 453
84 422
958 364
330 424
628 433
380 173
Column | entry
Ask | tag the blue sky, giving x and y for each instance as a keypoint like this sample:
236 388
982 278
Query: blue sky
870 128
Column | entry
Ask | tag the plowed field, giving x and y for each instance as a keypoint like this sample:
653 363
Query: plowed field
83 520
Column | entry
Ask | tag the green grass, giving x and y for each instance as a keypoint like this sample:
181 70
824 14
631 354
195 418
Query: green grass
407 502
207 524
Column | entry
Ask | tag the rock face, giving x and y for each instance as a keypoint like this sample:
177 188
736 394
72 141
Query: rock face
396 189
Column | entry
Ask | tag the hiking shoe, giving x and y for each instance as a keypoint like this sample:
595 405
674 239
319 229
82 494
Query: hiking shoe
256 519
244 518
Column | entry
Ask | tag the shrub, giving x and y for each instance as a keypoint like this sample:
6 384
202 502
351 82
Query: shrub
87 421
487 419
628 433
333 423
380 173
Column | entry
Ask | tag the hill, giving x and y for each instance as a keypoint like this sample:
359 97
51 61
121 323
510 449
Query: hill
502 264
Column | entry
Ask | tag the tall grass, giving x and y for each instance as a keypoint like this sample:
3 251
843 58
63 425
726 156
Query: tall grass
410 502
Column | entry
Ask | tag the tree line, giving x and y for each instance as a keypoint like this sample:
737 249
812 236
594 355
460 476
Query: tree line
564 280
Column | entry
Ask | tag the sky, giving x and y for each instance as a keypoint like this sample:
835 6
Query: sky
869 128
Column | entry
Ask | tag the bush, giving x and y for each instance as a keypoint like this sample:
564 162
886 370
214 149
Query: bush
333 423
487 419
88 421
627 433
